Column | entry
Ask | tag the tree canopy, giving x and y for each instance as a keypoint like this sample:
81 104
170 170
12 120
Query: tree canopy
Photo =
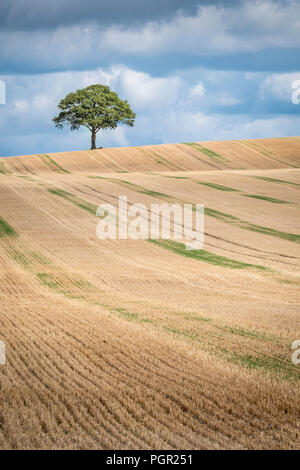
95 107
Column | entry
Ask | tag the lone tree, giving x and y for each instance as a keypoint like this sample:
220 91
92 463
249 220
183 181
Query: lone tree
95 107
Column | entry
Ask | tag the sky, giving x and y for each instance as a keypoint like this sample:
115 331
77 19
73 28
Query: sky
191 70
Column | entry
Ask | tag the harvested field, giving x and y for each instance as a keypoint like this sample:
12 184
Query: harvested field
141 344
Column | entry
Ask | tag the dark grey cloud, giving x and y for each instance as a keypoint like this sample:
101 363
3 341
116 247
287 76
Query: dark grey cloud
261 35
49 14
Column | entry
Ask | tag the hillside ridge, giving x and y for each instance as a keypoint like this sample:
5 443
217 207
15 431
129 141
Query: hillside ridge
269 153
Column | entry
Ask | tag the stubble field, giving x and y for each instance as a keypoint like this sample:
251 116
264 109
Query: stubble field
138 344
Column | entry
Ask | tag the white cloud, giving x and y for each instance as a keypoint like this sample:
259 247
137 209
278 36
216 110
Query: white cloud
249 128
197 126
21 105
197 90
278 86
142 90
224 98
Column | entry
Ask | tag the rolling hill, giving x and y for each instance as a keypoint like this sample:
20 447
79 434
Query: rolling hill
141 344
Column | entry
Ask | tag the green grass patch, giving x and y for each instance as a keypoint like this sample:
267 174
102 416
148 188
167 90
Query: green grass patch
39 258
125 313
135 187
263 151
218 186
220 215
268 199
99 177
27 259
26 177
176 331
87 206
292 237
53 282
248 333
273 180
198 318
176 177
50 281
83 284
6 230
131 316
209 153
3 169
287 281
21 259
53 164
227 218
153 193
275 365
205 256
159 159
60 192
91 208
258 148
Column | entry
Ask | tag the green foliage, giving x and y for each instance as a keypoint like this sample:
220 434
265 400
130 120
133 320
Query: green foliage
6 229
218 186
275 365
3 169
209 153
273 180
206 256
142 190
87 206
95 107
227 218
53 164
268 199
49 280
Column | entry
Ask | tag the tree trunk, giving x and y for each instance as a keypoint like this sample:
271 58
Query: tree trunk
93 140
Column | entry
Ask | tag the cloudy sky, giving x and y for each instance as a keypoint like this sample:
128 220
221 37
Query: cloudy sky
192 70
